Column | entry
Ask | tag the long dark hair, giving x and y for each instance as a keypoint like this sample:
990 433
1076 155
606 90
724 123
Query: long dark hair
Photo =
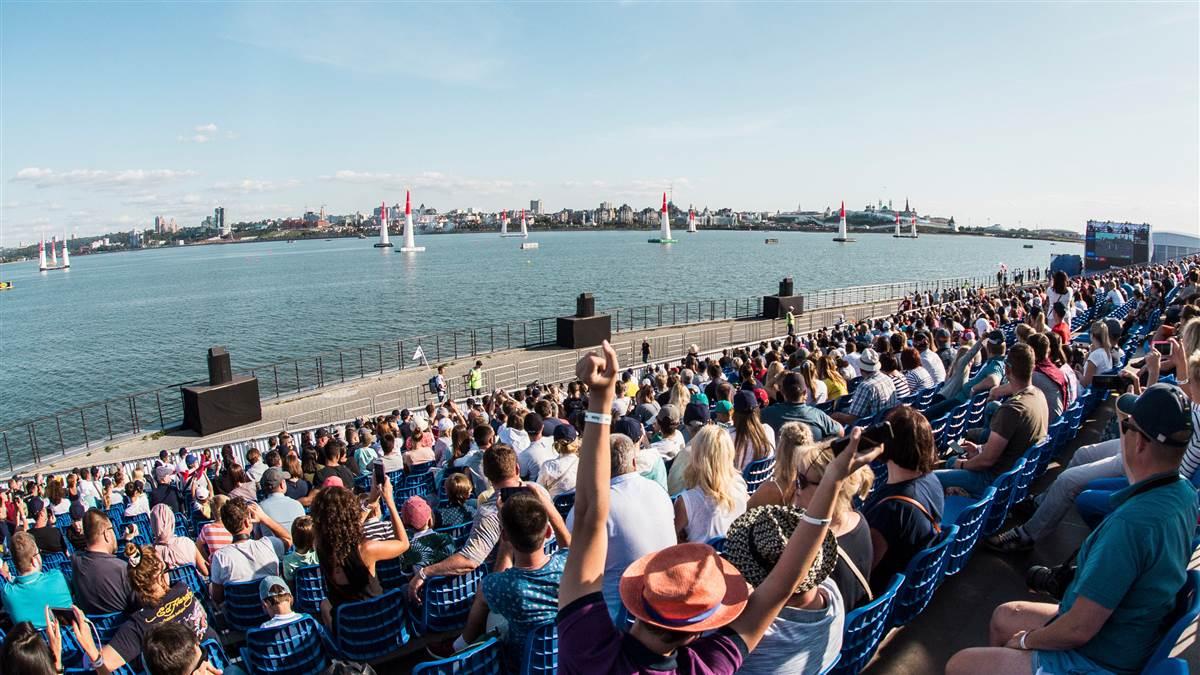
337 520
24 651
1060 282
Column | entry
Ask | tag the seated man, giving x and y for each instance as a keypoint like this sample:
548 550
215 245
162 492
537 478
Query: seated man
48 537
989 375
1016 426
1129 569
173 649
99 578
30 590
875 392
275 504
500 467
245 559
793 409
522 589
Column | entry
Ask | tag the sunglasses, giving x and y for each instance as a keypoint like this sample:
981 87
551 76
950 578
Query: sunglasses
1127 425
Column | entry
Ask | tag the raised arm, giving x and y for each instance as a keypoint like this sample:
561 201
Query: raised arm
802 547
374 551
584 571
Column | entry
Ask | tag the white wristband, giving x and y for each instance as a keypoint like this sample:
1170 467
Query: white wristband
815 521
597 418
1022 641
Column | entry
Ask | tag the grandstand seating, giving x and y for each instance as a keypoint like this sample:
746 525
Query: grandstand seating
300 647
309 585
107 624
757 472
921 578
541 650
482 659
458 532
243 609
1005 484
1187 611
446 601
970 521
370 629
864 628
564 502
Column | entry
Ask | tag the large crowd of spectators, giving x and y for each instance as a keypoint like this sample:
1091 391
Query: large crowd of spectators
665 558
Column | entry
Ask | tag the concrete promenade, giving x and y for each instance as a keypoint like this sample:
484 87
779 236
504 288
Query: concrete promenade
407 388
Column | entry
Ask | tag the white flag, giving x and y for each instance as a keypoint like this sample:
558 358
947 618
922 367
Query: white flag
419 354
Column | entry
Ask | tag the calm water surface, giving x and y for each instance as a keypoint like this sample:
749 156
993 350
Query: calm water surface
119 323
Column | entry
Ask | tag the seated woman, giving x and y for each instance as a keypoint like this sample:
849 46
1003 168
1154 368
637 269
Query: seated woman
752 440
714 493
172 550
905 514
161 603
557 475
805 638
347 558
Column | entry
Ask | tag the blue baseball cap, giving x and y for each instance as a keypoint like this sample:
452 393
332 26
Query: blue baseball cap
1162 412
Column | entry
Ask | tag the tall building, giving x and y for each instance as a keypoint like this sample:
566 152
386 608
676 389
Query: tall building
535 207
219 222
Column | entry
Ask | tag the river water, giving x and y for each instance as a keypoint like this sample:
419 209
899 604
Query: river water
125 322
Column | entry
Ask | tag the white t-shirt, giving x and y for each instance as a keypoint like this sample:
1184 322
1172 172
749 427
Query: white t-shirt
1067 299
531 458
1191 456
244 560
982 327
749 454
704 519
670 446
1102 360
1114 296
933 364
854 358
820 392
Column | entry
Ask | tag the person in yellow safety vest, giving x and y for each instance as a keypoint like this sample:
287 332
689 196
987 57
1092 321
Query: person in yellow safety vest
791 322
475 379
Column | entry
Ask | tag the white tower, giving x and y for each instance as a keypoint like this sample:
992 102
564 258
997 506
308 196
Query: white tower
42 254
913 226
842 226
504 223
383 227
524 225
897 234
691 220
66 256
410 245
54 251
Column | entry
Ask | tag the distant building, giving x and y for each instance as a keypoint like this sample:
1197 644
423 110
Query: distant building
1169 245
135 239
219 222
536 207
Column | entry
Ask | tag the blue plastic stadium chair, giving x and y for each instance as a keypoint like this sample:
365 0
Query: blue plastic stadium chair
391 573
183 525
717 543
482 659
116 513
309 584
107 624
458 532
63 521
758 472
1027 476
362 483
970 523
864 629
1174 666
1186 613
922 576
243 609
564 502
420 485
297 648
541 650
214 653
370 629
1045 452
1005 485
447 601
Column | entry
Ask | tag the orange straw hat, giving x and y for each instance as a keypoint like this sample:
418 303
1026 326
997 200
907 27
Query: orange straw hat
686 587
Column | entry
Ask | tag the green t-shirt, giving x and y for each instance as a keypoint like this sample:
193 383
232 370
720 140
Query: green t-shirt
1135 562
427 550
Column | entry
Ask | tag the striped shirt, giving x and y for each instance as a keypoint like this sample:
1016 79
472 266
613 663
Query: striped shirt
1191 457
215 536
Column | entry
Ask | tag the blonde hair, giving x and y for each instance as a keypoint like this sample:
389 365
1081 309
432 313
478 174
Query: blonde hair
858 484
567 448
711 468
679 396
775 373
789 450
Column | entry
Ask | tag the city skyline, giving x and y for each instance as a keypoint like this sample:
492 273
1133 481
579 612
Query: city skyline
1027 115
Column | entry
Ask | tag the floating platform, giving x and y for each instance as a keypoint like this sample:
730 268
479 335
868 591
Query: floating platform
904 236
515 234
51 268
529 245
6 285
387 245
662 241
1027 246
846 240
771 241
411 249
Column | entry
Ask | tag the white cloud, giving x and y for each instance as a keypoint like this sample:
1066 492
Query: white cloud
209 128
253 186
203 133
429 180
100 179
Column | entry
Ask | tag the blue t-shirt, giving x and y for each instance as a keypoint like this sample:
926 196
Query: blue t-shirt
990 367
906 528
525 598
1134 563
26 598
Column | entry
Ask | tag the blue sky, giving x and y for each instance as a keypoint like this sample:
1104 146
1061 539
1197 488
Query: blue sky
1046 114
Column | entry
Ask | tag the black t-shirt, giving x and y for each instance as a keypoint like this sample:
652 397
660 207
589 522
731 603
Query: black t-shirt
100 583
166 494
298 489
49 539
905 528
77 538
341 471
179 605
857 545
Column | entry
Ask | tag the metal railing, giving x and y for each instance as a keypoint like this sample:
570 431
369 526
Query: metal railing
154 411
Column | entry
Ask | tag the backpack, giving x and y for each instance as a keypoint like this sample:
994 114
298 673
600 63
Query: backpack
433 385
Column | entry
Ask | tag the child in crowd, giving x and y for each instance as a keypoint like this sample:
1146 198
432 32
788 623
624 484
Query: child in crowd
303 551
427 545
213 536
458 491
276 599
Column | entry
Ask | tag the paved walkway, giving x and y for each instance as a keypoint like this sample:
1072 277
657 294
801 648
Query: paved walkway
408 388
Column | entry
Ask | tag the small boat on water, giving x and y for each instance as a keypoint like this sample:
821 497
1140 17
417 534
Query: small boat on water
6 285
1027 246
771 241
361 235
529 245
